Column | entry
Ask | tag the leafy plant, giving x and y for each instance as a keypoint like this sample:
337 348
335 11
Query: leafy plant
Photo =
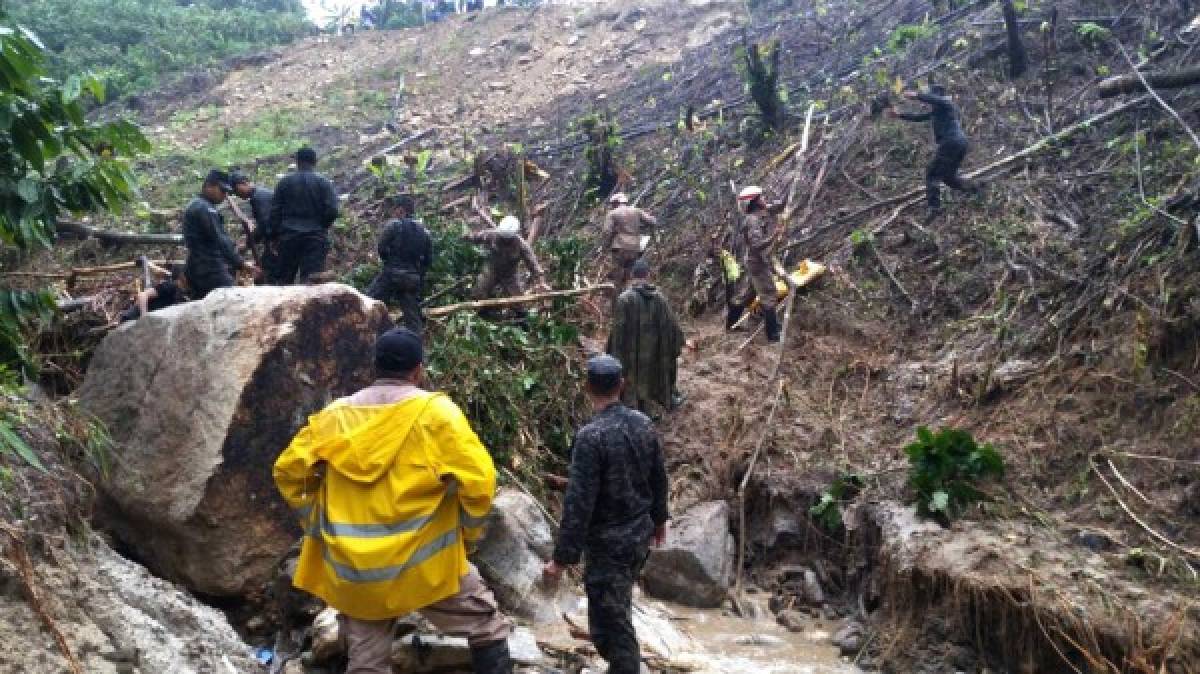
53 161
1092 34
13 444
944 469
906 34
828 510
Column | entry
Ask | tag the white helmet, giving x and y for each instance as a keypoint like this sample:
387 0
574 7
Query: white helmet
748 195
618 198
509 225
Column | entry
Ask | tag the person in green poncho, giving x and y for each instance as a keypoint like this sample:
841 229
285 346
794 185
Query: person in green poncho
647 339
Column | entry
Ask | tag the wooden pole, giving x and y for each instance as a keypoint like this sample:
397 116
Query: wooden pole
503 302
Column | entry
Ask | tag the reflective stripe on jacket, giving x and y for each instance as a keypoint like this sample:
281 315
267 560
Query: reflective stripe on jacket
388 496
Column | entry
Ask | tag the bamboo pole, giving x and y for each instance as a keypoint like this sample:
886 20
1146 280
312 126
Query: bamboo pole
503 302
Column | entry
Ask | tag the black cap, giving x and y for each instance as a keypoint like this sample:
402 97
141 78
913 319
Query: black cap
640 269
306 155
937 90
220 179
603 373
404 201
398 350
237 178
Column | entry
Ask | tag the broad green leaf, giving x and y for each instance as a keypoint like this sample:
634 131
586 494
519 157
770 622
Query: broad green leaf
28 190
11 442
72 88
939 502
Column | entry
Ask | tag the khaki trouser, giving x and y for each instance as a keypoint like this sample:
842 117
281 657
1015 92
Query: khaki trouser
472 613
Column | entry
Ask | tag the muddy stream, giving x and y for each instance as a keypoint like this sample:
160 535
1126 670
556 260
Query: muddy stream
711 641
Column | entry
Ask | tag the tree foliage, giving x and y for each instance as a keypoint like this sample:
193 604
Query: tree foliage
130 44
52 161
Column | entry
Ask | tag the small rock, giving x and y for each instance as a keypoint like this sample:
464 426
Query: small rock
497 86
478 51
326 644
759 640
812 588
640 25
573 40
256 624
849 639
524 60
792 620
1095 541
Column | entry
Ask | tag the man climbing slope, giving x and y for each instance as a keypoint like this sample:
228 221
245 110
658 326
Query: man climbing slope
616 504
212 258
951 142
506 250
622 234
647 339
406 251
390 485
302 211
759 235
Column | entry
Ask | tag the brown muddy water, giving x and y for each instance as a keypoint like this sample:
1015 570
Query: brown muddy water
714 642
730 645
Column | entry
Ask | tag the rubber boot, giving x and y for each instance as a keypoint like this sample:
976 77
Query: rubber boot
771 321
733 315
491 658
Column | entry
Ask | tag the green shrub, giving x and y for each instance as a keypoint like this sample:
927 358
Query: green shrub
907 34
944 468
1092 35
828 510
133 43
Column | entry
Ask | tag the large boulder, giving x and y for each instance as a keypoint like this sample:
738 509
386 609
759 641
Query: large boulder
511 556
199 399
695 566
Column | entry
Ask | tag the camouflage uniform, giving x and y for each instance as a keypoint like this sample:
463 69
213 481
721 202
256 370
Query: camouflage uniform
500 272
616 496
758 231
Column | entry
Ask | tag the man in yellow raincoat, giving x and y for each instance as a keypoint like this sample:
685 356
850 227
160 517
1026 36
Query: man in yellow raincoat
391 485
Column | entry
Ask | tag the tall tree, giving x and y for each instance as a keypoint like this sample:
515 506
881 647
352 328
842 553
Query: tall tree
1018 58
53 161
762 74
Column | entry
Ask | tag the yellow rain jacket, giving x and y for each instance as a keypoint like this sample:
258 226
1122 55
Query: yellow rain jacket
388 496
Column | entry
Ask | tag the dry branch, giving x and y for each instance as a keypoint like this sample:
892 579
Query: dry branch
82 231
503 302
156 265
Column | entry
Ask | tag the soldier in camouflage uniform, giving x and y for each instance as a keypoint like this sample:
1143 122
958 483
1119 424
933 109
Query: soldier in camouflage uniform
616 505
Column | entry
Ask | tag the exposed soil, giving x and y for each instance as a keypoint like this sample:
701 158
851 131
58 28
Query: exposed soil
1054 316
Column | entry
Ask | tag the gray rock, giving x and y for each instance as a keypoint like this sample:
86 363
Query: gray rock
420 653
813 593
695 566
199 399
512 554
849 639
792 620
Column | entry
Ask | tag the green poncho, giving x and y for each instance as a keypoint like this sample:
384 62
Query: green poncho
647 340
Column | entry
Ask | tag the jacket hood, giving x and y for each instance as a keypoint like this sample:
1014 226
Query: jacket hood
646 289
361 442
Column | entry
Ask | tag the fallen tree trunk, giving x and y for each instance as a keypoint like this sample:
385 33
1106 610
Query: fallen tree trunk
503 302
1125 84
82 231
161 266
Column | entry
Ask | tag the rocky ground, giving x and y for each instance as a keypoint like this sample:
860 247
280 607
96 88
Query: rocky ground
1054 316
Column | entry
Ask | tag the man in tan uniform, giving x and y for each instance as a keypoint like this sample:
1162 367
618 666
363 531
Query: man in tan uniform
623 236
506 250
759 236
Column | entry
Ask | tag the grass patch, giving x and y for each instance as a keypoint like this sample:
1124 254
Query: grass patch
272 135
